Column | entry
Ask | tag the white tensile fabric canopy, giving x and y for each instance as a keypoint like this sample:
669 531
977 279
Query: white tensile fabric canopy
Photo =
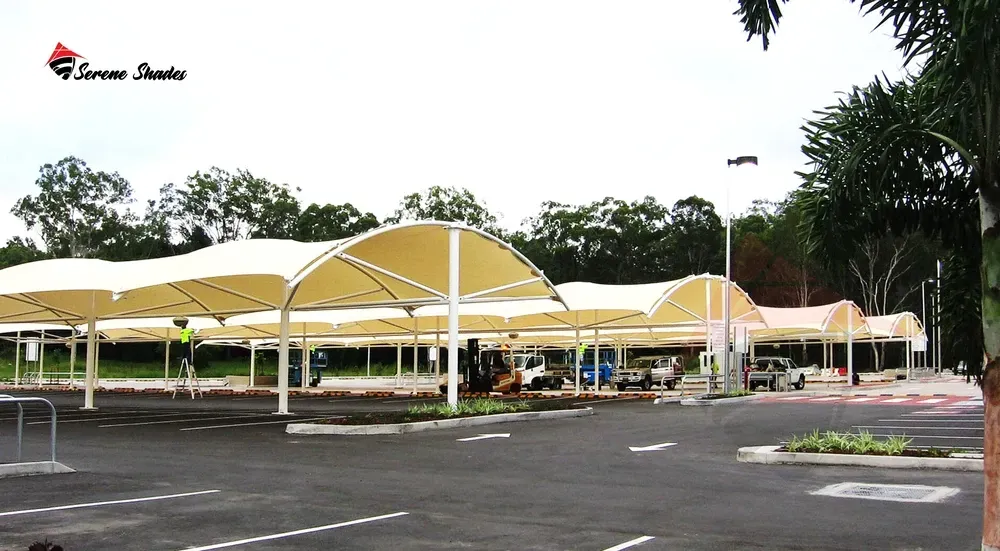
838 321
405 264
894 326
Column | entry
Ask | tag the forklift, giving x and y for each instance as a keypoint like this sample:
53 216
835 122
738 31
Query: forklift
488 371
317 363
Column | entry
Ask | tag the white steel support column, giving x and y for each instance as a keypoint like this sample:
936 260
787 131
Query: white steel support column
909 348
166 366
597 360
850 349
72 357
576 354
416 357
437 353
453 290
41 359
937 320
283 363
306 359
17 360
399 364
708 316
253 365
368 362
88 394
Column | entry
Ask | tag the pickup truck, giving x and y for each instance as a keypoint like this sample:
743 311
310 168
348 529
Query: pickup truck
537 374
796 374
645 371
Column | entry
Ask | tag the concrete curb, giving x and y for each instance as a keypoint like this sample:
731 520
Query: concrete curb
768 455
403 428
669 400
721 401
33 468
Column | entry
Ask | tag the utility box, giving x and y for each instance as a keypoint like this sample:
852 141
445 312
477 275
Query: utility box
706 362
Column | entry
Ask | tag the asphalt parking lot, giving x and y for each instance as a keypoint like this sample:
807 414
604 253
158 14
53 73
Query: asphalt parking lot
219 472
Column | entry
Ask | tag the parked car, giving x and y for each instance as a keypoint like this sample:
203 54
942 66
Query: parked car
645 371
796 374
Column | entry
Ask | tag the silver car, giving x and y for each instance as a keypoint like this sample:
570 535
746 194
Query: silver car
645 371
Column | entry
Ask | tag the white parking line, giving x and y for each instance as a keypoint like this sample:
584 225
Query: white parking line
630 543
933 401
263 423
896 400
862 399
931 436
87 419
293 533
179 421
102 503
915 428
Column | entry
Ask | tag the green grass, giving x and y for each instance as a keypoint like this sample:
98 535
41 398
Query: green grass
118 369
855 444
475 406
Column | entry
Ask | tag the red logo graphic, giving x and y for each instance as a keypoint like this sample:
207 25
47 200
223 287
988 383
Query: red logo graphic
63 61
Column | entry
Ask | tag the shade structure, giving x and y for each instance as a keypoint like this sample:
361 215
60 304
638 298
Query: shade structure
389 266
11 328
829 322
895 326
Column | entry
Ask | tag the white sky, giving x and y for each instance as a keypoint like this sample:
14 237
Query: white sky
520 101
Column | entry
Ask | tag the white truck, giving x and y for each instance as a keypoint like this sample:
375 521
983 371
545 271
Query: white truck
537 373
770 364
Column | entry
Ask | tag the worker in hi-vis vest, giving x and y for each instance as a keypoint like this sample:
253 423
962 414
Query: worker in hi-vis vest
187 347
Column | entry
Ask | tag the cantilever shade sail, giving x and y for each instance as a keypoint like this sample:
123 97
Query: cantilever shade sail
400 264
148 329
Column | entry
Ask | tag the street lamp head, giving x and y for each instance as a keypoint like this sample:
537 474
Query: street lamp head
744 160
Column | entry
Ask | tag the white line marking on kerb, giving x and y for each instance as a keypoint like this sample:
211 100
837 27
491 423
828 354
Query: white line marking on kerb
630 543
286 421
293 533
101 503
191 420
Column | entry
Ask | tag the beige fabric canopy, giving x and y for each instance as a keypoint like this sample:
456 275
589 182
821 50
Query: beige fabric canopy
829 322
149 329
901 325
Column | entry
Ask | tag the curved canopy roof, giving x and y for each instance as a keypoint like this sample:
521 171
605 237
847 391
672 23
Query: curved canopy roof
392 265
827 322
901 325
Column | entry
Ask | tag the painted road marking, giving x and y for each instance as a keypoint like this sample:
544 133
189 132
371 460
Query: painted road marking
630 543
102 503
896 400
933 401
915 428
862 399
653 448
930 420
484 437
795 398
263 423
943 413
88 419
293 533
244 416
827 399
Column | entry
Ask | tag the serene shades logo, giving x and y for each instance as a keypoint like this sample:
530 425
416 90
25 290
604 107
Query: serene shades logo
66 63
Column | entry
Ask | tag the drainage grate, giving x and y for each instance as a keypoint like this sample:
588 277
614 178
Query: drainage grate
888 492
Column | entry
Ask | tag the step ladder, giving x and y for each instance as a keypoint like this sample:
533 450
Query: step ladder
187 379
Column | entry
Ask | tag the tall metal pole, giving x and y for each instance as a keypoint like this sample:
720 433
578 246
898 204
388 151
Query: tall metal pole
850 345
725 300
937 319
166 367
923 316
576 353
88 393
453 265
17 360
283 362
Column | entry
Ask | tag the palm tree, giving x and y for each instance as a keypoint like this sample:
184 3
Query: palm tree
920 153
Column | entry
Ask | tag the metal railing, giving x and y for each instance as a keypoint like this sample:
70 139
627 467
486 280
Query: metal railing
18 401
778 376
711 380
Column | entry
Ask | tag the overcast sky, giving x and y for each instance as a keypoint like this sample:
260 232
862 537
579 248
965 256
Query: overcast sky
365 101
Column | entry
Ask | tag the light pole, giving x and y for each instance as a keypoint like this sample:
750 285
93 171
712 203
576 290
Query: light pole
727 377
937 319
923 313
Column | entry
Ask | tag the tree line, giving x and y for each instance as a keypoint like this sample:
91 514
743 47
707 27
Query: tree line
78 211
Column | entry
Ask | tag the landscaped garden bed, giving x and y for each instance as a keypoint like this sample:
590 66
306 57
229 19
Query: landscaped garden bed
475 407
721 396
860 444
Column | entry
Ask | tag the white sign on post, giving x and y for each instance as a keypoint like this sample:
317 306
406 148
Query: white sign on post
919 344
31 351
718 338
432 354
